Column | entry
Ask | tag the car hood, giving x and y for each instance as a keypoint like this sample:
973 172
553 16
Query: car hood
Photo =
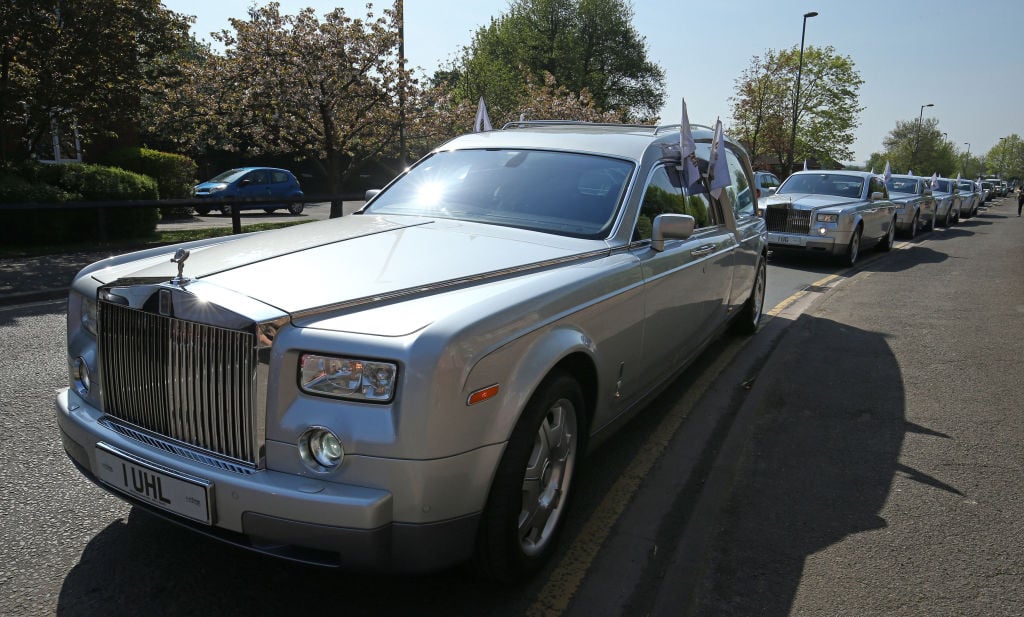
810 201
353 259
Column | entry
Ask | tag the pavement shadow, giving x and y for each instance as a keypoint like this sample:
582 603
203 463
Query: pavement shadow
143 565
815 470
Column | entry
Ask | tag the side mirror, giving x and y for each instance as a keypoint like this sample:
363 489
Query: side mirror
927 192
370 194
245 182
671 227
772 190
877 195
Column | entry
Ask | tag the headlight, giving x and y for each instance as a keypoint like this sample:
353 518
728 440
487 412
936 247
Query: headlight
828 218
216 188
89 315
349 378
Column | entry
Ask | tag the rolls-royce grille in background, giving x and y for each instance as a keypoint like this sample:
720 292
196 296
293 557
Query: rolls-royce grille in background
782 218
191 382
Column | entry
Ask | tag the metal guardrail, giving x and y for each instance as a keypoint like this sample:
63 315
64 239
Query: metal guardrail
236 222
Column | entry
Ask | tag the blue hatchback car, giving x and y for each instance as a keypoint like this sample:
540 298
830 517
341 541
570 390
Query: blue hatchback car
250 182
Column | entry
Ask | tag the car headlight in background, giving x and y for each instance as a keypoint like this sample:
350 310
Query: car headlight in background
348 378
828 218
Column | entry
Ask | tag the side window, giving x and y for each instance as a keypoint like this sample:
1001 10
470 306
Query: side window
876 186
741 197
278 177
663 195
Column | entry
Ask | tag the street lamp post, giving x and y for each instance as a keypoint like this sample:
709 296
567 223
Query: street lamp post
967 157
917 135
1002 158
796 99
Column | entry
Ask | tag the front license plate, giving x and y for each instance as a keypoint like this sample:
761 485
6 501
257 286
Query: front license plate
775 238
166 489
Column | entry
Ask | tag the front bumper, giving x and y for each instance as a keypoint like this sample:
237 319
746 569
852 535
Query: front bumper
833 243
290 516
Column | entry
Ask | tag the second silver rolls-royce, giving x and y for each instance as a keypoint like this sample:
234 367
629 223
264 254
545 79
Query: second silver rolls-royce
833 213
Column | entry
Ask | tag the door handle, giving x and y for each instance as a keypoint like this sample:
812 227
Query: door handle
701 251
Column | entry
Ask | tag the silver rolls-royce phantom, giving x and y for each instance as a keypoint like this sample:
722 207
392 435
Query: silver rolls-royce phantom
414 385
833 213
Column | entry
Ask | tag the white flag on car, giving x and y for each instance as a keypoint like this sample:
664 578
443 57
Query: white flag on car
805 164
887 174
687 148
935 180
718 166
482 121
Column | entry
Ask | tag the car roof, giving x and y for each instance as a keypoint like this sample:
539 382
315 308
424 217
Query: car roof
838 172
630 141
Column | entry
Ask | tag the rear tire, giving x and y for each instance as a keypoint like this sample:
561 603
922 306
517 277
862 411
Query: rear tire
750 315
530 493
202 211
295 209
890 237
225 210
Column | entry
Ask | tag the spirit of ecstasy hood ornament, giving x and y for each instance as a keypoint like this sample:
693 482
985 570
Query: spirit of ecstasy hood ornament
179 258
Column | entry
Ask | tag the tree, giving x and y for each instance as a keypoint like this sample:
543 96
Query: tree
829 104
1006 158
326 91
586 45
917 147
85 64
759 108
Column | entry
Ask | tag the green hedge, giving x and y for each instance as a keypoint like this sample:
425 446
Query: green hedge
175 174
36 183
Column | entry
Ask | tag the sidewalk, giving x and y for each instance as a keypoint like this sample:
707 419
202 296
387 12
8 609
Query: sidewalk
44 277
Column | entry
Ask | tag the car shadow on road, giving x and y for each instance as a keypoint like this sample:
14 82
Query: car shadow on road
818 468
144 566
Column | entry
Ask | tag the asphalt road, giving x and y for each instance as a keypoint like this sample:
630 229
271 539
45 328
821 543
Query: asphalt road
859 456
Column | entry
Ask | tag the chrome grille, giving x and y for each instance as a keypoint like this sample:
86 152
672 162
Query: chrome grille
783 218
191 382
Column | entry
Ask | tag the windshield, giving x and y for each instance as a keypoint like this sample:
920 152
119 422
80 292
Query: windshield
945 186
966 186
839 185
227 176
902 185
556 192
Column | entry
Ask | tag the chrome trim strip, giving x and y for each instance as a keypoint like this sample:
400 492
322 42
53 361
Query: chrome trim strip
177 449
451 283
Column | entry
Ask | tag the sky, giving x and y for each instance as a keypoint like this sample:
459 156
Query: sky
965 58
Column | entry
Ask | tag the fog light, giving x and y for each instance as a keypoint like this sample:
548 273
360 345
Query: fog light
821 231
80 376
320 449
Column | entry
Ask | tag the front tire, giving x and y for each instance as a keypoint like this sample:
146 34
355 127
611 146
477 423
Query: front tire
750 315
530 494
853 248
949 217
913 226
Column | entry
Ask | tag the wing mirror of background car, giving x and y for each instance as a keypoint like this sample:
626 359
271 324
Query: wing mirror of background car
671 227
877 195
370 194
245 182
